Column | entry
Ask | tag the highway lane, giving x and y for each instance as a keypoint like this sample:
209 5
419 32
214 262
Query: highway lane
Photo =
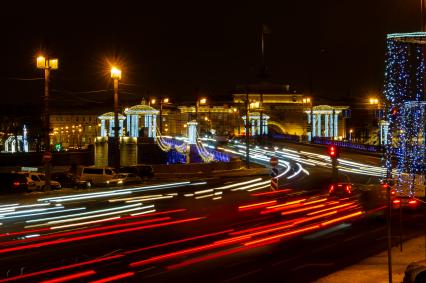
201 223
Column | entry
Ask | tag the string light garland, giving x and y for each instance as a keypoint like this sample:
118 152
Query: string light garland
405 110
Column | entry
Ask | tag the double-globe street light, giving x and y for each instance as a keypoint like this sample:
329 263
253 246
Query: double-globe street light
116 76
47 64
162 102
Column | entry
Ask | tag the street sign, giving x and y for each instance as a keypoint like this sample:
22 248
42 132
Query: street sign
274 172
47 156
273 161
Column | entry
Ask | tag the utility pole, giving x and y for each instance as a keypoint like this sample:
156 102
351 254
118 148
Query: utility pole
47 64
247 131
116 76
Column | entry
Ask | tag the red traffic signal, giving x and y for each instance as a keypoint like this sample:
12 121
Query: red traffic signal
333 151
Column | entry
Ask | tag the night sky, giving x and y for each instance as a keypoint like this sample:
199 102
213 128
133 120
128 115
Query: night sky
181 49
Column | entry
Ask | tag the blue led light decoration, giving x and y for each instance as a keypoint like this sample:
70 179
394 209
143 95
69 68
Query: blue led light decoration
405 106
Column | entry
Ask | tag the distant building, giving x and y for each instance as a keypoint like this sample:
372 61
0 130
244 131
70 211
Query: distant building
72 130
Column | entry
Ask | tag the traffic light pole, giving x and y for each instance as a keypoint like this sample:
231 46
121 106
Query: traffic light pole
335 172
247 132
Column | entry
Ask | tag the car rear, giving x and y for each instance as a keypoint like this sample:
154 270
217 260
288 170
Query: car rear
13 182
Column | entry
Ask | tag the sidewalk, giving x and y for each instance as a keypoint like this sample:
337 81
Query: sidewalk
375 269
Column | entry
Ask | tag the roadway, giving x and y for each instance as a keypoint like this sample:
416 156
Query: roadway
222 229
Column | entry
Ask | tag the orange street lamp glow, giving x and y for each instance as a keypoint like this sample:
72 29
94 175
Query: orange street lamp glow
203 100
153 101
166 100
115 73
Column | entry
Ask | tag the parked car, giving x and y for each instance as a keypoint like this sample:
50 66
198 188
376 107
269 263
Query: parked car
124 179
97 175
37 181
143 171
13 182
68 180
415 272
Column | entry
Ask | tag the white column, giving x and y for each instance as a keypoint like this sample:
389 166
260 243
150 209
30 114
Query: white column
103 130
154 126
192 132
135 126
336 119
319 125
265 126
253 128
128 125
120 123
331 126
326 126
309 122
111 127
314 127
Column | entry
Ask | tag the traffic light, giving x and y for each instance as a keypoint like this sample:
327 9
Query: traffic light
333 151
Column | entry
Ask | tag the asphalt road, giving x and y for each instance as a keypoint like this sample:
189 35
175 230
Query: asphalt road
221 229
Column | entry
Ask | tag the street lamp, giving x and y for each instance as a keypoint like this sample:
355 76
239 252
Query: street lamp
350 134
201 101
376 102
308 101
116 76
162 102
47 64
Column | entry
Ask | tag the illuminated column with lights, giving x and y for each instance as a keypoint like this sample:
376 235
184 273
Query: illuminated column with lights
319 125
120 123
103 130
111 127
129 125
326 124
258 126
24 139
331 126
309 123
384 129
154 126
314 127
253 128
336 119
192 132
135 126
265 126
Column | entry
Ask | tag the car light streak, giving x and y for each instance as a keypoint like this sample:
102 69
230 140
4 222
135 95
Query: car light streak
87 230
148 199
82 213
296 173
271 193
282 235
331 208
48 212
302 209
342 218
92 236
205 196
70 277
256 205
259 188
203 191
238 184
114 277
252 185
84 223
94 216
185 252
132 198
37 273
143 212
179 241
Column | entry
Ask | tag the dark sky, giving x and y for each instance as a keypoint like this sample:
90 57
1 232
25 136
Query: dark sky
181 48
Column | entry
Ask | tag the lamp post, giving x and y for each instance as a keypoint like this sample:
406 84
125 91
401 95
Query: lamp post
199 102
162 102
376 102
237 124
307 101
350 135
47 64
116 76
